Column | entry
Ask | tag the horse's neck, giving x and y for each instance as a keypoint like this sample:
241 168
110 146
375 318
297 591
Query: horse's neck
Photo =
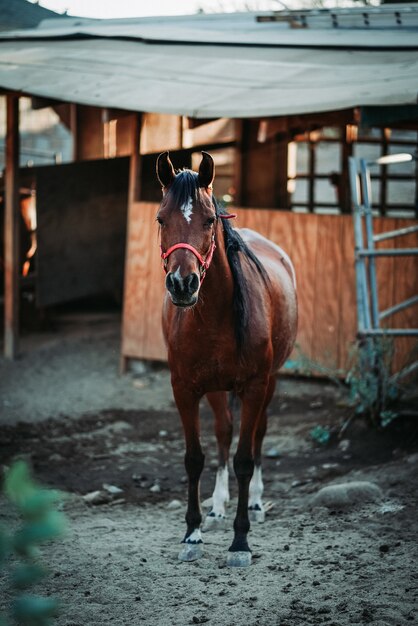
217 289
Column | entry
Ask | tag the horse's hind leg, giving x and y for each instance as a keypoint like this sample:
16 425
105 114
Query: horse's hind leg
188 406
223 430
255 506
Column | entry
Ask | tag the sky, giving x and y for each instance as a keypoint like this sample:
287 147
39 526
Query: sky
138 8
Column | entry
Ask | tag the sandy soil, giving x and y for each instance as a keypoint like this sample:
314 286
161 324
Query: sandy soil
65 408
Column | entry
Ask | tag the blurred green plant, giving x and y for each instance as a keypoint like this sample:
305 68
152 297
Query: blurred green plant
320 434
372 389
20 550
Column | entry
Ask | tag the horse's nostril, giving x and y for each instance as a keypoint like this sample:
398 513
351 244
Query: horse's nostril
170 282
182 287
191 282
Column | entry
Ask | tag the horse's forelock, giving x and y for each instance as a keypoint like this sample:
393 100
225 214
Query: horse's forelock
184 186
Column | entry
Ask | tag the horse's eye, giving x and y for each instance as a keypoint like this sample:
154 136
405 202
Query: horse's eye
209 222
159 220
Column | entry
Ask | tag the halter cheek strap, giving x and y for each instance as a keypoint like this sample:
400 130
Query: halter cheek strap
204 261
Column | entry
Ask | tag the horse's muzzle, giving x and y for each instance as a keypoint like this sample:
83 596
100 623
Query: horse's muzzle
183 291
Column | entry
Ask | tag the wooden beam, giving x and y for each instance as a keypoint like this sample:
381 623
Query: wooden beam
134 194
135 167
11 231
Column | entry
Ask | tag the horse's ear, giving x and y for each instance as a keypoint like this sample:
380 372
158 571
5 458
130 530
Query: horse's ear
206 171
165 170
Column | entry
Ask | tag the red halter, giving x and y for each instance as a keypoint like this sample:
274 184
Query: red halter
204 262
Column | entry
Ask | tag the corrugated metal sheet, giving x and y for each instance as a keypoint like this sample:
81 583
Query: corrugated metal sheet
141 66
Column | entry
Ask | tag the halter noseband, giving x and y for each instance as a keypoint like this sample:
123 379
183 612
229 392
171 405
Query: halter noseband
204 261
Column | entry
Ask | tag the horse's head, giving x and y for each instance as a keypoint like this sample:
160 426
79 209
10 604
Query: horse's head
187 219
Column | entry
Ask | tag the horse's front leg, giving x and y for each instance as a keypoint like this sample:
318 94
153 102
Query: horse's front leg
188 406
239 554
216 518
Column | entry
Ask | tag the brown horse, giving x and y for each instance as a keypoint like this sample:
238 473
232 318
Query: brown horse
229 321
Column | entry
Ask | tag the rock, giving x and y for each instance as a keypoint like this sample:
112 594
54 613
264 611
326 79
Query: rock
138 367
163 433
112 489
96 497
139 383
272 453
344 445
316 404
155 488
55 458
174 504
345 495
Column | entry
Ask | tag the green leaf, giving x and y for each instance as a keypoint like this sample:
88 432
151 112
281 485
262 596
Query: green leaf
18 484
37 504
320 434
33 533
26 575
5 545
34 610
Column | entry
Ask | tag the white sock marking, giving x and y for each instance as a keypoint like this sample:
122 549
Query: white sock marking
187 210
256 489
195 537
221 493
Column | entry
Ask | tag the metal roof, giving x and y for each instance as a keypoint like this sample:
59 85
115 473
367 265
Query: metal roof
23 14
230 65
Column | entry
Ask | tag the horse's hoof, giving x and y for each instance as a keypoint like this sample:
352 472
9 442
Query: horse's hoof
238 559
191 552
214 522
256 515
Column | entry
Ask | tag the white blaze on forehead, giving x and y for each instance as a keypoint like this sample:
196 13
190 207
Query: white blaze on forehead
187 209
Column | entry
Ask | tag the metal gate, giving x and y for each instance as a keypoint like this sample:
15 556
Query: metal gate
369 317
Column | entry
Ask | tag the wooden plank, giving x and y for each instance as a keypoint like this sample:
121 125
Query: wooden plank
154 345
405 286
142 338
327 285
385 272
90 136
347 330
281 230
11 231
256 220
385 267
303 253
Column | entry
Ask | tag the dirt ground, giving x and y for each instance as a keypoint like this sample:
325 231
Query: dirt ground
64 407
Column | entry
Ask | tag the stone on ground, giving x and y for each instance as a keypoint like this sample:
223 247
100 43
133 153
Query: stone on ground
347 494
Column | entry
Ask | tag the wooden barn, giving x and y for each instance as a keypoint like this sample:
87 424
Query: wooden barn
281 100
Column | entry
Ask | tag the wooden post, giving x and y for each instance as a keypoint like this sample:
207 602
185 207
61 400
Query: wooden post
312 168
11 231
74 130
134 193
281 147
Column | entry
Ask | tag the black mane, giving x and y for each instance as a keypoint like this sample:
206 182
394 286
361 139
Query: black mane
236 248
185 186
